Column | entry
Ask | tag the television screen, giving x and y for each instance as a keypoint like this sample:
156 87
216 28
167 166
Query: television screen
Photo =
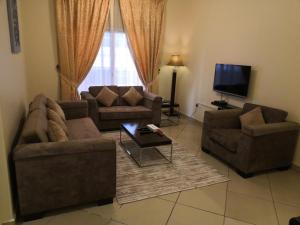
232 79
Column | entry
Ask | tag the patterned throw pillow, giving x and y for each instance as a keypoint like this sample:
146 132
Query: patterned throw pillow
132 97
52 115
55 132
55 107
253 117
107 96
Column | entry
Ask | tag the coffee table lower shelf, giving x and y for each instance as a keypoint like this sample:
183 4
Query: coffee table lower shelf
146 156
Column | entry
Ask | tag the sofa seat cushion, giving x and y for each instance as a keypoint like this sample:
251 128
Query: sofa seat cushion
82 128
228 138
124 112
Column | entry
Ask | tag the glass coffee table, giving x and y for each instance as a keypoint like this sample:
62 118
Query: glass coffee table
145 149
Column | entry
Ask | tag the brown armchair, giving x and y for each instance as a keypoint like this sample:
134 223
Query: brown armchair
254 148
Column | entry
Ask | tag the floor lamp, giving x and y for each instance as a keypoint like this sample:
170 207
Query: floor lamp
176 62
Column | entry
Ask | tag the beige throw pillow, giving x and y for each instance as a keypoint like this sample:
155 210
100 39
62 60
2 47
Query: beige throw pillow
253 117
55 107
52 115
132 96
55 132
107 96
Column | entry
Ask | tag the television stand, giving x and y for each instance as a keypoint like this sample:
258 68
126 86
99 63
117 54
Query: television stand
223 105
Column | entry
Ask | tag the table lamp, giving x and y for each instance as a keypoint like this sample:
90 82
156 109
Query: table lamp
176 62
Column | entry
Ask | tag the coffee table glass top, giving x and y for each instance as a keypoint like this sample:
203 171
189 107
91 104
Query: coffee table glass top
145 140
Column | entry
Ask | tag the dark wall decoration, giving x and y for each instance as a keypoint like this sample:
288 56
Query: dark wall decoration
13 22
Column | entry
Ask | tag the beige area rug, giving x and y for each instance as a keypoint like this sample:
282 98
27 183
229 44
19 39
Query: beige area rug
186 172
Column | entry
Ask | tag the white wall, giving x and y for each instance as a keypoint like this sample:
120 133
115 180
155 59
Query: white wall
40 47
261 33
13 95
6 208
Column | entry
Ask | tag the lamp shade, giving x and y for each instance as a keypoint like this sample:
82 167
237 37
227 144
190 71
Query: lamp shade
175 61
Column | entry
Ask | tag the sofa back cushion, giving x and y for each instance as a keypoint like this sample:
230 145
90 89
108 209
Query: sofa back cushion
124 89
94 90
53 116
253 117
56 107
271 115
56 132
132 97
35 127
107 97
39 102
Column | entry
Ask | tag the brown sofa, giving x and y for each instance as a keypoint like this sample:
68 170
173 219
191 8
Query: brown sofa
109 118
53 175
254 148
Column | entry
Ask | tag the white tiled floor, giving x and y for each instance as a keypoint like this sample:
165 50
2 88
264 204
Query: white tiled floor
268 199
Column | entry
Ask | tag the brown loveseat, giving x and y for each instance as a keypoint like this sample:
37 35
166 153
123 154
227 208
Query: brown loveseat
108 118
254 148
53 175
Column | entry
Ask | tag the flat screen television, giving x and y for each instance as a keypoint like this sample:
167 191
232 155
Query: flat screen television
232 79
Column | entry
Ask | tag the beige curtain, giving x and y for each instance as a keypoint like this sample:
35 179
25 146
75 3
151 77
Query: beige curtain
144 24
80 28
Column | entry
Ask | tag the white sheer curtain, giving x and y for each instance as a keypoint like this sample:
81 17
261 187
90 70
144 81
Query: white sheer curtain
114 64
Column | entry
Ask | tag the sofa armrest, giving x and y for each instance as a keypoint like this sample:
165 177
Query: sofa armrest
269 145
266 129
153 102
228 118
152 97
87 96
50 149
92 106
74 109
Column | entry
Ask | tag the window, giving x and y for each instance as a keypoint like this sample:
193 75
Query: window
114 64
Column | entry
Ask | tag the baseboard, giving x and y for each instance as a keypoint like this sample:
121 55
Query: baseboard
10 222
190 118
